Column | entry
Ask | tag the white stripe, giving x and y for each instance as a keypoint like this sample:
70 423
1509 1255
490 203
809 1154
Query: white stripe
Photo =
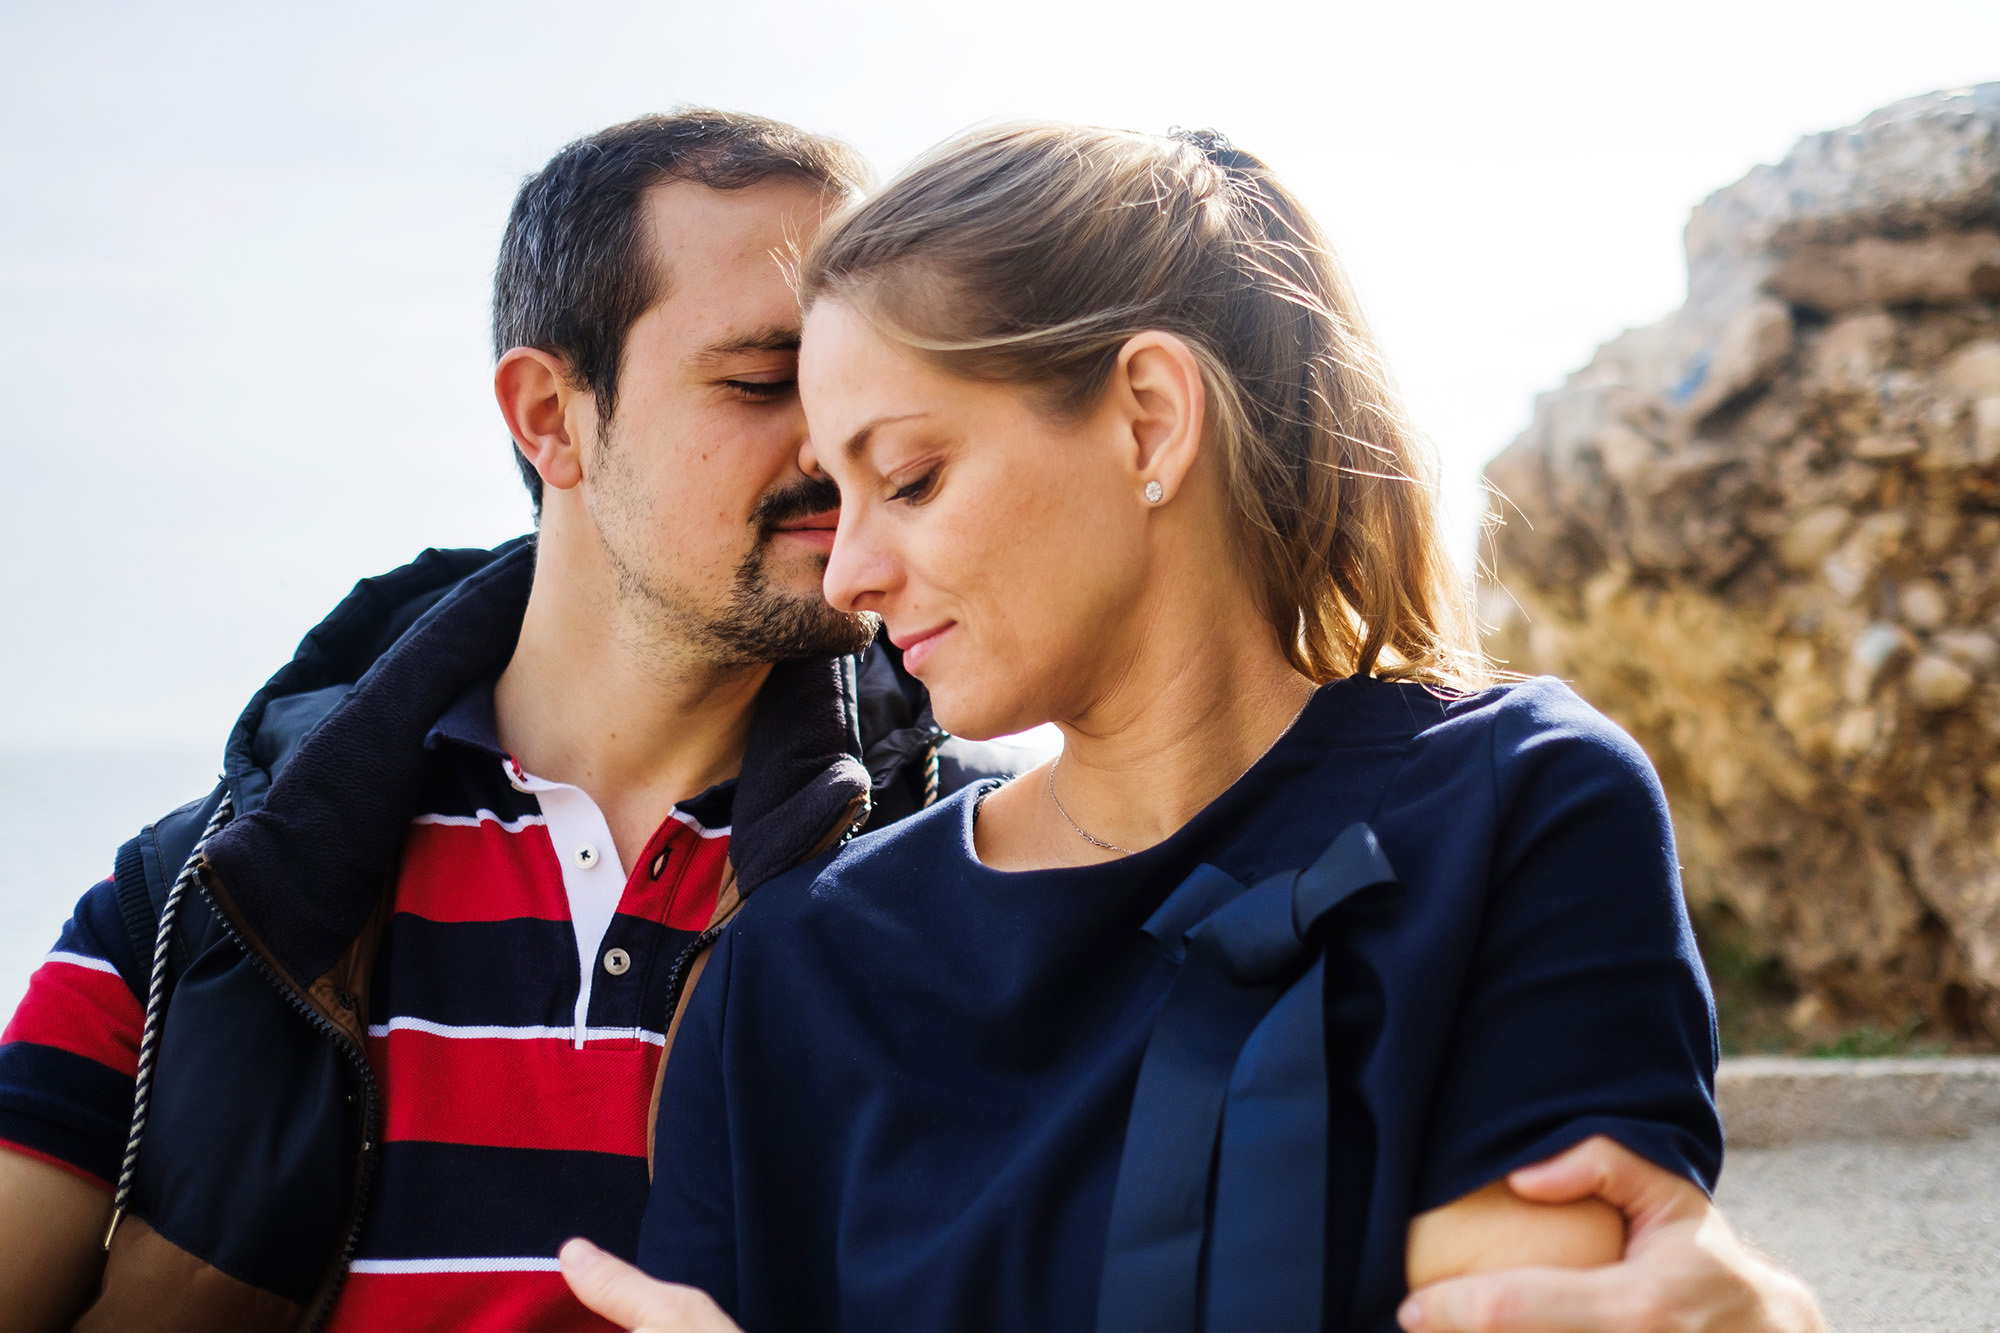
477 1033
526 1264
483 817
81 960
697 826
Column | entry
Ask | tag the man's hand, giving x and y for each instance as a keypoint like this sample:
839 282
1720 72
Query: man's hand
628 1298
1684 1271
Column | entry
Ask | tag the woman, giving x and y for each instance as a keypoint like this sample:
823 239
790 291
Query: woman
1234 1015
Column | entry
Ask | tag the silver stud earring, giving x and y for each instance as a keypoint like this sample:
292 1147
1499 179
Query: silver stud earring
1154 492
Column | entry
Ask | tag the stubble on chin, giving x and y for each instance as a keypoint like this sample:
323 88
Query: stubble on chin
768 623
759 621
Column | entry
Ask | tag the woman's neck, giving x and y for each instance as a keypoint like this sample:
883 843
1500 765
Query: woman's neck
1180 724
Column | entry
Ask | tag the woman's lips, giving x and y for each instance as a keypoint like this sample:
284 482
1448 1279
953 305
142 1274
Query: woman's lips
917 648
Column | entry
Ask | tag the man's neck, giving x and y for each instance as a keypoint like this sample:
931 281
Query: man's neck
593 699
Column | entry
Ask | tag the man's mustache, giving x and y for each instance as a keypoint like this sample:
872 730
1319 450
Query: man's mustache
798 499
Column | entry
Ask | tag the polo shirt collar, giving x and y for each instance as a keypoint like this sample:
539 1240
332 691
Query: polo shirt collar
469 721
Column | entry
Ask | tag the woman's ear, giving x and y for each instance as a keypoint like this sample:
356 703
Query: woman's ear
535 395
1165 402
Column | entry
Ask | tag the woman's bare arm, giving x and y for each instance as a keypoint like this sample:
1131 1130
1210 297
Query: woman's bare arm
1494 1228
1683 1269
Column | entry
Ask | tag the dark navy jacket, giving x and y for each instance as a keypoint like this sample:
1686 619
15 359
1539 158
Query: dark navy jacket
1192 1087
255 1169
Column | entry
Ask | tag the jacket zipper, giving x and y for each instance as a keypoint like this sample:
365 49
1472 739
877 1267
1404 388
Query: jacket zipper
852 819
845 827
316 1317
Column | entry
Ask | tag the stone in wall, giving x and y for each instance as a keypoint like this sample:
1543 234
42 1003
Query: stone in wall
1764 536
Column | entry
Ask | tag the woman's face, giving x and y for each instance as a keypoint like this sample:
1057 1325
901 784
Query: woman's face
1006 552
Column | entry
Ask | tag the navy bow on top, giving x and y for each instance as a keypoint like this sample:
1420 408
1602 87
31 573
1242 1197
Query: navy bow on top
1219 1218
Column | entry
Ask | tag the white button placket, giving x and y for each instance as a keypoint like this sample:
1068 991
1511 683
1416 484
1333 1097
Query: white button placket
593 879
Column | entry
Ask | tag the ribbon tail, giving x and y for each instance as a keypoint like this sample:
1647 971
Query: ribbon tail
1159 1208
1267 1238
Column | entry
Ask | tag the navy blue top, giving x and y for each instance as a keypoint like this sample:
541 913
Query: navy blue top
902 1089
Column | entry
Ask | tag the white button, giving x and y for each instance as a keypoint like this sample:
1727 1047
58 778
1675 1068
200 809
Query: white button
617 962
515 777
586 856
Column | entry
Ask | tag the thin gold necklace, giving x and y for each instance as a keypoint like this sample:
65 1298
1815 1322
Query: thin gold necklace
1095 841
1080 832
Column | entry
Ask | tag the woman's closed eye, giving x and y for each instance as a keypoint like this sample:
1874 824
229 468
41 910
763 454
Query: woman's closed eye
916 491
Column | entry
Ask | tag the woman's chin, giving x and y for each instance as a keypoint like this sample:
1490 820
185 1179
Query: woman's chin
973 716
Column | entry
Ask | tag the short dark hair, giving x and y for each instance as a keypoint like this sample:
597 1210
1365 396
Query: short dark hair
574 272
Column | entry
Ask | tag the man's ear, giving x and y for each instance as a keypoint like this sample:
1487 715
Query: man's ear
536 395
1165 402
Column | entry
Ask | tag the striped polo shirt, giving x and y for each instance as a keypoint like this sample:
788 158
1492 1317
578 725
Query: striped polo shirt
69 1054
517 1019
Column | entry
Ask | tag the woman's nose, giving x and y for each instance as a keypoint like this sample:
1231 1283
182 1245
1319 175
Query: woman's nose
858 571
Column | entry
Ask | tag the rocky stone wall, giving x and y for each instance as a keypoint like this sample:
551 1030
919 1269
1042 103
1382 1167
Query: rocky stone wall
1764 535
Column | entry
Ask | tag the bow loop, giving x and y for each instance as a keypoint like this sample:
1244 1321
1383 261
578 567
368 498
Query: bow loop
1224 1171
1255 936
1199 896
1352 862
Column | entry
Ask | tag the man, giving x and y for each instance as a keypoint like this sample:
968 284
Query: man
395 1033
422 981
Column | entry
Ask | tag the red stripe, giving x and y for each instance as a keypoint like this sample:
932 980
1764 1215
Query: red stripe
504 1093
83 1011
463 1302
455 872
683 897
71 1167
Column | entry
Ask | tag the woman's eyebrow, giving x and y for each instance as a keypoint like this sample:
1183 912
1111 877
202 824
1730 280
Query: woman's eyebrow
858 442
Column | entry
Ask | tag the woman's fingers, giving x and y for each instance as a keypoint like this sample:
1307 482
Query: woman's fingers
621 1293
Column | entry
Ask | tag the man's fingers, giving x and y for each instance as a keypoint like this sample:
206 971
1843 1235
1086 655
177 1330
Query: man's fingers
1529 1300
627 1297
1646 1194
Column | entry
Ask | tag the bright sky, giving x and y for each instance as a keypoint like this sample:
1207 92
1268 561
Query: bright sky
245 248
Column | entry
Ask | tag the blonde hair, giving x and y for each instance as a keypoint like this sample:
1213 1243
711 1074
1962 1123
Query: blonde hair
1030 254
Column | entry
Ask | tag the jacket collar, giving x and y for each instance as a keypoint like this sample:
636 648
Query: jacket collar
328 764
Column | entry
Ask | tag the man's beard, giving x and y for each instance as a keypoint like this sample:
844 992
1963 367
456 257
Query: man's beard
758 621
762 623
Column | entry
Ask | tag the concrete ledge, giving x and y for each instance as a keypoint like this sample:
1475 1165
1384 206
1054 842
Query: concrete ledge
1768 1101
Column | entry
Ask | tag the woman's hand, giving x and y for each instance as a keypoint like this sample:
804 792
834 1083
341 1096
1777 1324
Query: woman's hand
1684 1271
628 1298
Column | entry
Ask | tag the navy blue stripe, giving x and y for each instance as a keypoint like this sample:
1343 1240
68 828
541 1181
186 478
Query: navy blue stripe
63 1104
518 973
449 1200
98 930
639 998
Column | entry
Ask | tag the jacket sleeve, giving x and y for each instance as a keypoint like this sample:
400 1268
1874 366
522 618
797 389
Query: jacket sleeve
68 1057
1586 1009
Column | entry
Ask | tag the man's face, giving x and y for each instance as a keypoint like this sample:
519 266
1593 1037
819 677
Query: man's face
717 538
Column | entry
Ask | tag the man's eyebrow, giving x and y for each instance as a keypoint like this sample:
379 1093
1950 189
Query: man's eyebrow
774 339
858 441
